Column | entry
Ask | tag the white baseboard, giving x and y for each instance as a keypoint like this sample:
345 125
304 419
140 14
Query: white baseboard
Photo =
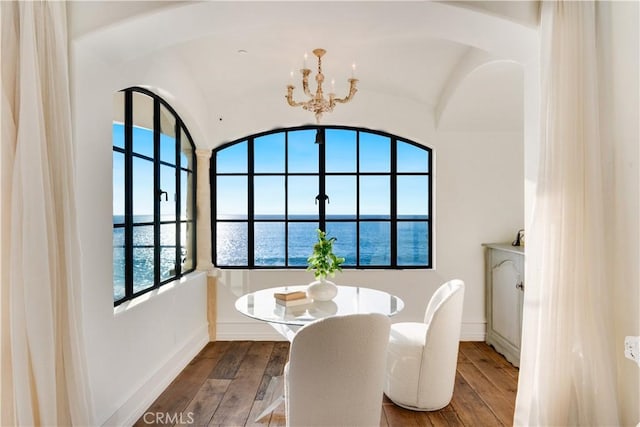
256 331
140 401
246 331
473 331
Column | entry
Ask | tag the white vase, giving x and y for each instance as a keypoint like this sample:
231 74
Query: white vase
322 290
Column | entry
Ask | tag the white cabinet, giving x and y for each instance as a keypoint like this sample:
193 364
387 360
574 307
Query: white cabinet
504 296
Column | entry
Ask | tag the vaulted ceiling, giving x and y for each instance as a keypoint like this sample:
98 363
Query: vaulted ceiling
459 61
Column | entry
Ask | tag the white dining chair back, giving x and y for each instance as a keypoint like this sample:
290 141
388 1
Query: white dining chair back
422 356
335 372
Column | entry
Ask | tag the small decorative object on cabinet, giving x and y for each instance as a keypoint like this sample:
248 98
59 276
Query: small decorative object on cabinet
504 278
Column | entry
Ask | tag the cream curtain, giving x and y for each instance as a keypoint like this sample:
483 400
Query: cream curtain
44 376
567 370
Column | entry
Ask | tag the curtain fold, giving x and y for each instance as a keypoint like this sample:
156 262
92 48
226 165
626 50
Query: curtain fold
45 381
567 368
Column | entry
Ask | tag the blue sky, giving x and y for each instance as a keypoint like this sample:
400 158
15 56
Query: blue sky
341 154
269 153
143 172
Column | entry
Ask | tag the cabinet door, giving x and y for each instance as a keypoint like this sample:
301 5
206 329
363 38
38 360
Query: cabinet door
506 301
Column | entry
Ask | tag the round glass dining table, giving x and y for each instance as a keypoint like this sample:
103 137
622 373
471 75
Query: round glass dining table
262 305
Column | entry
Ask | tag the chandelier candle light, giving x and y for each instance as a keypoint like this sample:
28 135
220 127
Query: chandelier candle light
317 103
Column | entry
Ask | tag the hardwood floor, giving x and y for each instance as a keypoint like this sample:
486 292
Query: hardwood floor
227 384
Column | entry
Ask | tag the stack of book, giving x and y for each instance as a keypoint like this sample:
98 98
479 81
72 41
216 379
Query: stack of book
293 298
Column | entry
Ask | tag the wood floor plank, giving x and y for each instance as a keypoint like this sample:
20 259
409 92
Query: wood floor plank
180 392
383 417
400 417
469 407
257 408
490 352
227 384
206 401
213 350
443 418
228 365
275 367
238 400
495 371
499 404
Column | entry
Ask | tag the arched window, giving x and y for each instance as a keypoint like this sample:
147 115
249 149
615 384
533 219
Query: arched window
153 194
370 190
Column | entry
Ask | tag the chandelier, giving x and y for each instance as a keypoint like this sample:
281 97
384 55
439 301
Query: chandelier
317 103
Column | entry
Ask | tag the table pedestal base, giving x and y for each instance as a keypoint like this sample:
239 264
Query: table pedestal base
274 395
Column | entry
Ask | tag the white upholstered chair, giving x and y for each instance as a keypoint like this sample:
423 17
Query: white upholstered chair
422 357
335 372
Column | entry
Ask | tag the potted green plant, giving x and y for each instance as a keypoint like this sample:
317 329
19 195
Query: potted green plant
324 263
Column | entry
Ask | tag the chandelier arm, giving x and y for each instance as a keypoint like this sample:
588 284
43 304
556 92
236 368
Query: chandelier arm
289 97
352 91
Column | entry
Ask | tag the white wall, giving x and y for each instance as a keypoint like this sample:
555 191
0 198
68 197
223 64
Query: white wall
136 350
618 30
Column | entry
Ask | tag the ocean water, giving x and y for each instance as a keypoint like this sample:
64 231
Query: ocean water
372 249
143 254
232 249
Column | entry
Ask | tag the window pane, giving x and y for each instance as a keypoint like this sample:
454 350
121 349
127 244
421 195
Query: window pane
231 243
302 237
413 197
118 264
269 243
118 135
346 240
168 267
301 197
186 195
374 153
374 196
268 153
269 197
168 234
167 251
142 190
342 196
143 265
413 243
231 197
411 158
340 150
232 159
167 136
187 247
303 151
118 188
118 120
142 124
375 240
143 274
168 200
186 151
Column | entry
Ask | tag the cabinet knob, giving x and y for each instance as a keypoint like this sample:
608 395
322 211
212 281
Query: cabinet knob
520 285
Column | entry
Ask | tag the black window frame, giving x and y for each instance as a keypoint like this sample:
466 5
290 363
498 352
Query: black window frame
322 220
129 224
